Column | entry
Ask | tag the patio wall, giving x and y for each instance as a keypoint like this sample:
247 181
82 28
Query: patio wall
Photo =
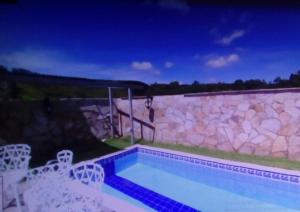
66 122
256 122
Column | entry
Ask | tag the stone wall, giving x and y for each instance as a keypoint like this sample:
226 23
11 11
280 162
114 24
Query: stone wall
61 123
261 123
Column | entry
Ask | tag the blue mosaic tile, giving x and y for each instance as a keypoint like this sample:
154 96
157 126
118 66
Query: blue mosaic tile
250 171
146 196
267 174
258 172
229 167
236 168
284 177
161 203
294 179
221 165
244 170
276 176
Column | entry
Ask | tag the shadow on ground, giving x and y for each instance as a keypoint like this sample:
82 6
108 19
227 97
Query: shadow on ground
84 151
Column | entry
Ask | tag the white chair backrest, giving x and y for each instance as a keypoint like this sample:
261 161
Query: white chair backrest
88 173
14 157
65 156
41 172
61 166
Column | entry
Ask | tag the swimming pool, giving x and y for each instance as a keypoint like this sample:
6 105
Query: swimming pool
167 180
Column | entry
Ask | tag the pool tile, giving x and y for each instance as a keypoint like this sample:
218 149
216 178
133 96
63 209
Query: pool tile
284 177
267 174
148 197
250 171
157 201
258 172
294 179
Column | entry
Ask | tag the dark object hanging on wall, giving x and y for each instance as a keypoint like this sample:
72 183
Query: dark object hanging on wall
47 105
151 114
148 102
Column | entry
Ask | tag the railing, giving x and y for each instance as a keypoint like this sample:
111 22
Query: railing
141 122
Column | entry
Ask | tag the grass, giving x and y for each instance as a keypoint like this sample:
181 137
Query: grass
266 161
120 143
94 149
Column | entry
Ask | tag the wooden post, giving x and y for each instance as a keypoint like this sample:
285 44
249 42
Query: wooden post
131 115
111 110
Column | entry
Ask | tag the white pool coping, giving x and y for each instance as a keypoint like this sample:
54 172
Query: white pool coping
108 201
117 204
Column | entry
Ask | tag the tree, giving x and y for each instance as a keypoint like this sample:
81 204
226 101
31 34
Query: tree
4 86
295 78
277 80
195 83
174 84
255 84
238 85
3 69
22 71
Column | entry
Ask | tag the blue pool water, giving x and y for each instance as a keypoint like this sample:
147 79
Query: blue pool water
207 189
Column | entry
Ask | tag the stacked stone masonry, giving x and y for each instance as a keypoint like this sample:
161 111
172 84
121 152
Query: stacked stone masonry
60 124
261 124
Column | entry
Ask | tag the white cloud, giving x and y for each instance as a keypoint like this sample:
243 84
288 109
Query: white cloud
143 65
49 62
212 80
179 5
57 63
227 40
168 64
222 61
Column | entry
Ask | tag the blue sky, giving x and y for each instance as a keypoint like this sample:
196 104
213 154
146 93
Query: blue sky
153 41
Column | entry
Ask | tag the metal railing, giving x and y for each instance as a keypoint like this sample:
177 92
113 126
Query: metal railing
141 122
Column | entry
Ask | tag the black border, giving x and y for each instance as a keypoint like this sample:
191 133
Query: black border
2 199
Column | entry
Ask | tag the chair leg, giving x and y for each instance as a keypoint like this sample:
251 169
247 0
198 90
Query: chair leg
19 206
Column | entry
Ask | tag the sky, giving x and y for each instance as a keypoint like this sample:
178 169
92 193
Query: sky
151 41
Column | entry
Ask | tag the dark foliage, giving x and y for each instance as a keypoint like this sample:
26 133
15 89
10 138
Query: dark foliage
25 91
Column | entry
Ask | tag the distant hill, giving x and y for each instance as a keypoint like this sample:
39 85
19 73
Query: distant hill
9 90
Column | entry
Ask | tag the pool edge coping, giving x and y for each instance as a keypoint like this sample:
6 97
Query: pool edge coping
203 157
219 160
192 158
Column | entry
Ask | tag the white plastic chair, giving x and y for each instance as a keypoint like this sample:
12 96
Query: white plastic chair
14 164
42 173
88 173
82 193
64 156
64 161
78 192
47 182
14 157
53 168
